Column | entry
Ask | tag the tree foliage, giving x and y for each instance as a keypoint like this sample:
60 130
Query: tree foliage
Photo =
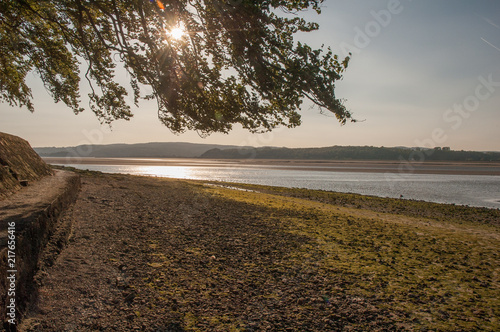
236 63
404 156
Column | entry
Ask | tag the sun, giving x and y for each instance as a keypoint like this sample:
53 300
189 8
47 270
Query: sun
178 32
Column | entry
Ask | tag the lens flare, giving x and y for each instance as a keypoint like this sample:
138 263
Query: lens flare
177 33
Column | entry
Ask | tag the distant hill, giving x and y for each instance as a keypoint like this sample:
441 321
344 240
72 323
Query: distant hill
141 150
214 151
352 153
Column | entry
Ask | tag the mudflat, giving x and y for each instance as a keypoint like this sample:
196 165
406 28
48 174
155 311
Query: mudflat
404 167
150 254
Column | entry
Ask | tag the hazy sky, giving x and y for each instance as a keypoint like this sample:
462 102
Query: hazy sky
423 73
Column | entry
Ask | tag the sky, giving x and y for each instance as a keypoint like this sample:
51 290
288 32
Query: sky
423 73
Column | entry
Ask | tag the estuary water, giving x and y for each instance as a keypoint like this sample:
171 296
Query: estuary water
472 190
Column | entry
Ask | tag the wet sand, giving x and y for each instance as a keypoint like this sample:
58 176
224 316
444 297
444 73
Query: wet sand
369 166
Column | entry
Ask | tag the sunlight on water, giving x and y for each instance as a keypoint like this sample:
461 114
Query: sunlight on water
179 172
475 190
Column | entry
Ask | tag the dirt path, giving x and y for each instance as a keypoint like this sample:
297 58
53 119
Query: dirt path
159 255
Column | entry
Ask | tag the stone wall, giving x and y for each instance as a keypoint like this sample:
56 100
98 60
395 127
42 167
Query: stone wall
28 219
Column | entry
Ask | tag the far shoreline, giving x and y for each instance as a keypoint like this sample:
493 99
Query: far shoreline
367 166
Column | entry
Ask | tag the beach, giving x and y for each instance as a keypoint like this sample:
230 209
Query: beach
151 254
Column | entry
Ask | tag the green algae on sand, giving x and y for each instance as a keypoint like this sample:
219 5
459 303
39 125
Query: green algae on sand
431 266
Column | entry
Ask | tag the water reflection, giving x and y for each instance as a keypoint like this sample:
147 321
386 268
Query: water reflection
476 190
179 172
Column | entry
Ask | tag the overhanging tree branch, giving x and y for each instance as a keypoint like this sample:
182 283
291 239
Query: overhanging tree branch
235 64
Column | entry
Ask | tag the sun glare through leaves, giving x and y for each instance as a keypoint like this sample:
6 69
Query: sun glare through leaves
177 33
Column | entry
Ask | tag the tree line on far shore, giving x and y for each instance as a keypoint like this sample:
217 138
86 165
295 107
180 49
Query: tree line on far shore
353 153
